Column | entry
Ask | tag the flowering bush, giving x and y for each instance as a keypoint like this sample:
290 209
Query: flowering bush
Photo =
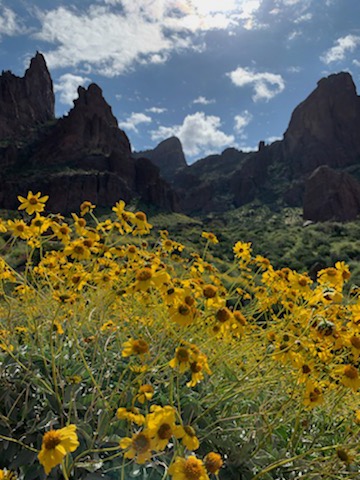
123 358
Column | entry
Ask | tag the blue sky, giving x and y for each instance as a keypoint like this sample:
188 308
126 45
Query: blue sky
216 73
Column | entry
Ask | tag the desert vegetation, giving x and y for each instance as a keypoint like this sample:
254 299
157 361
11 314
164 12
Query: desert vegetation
126 353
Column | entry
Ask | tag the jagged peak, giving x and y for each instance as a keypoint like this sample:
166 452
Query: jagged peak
37 67
340 80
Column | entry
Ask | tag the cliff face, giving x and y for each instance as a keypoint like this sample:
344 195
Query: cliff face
82 156
168 156
331 195
324 129
26 102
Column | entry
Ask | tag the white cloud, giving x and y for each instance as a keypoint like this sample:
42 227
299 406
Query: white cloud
203 100
199 134
356 63
67 86
273 139
304 18
294 69
340 49
112 36
242 121
135 119
8 22
156 110
266 85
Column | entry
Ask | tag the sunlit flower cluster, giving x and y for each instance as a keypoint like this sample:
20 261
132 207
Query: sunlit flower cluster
142 353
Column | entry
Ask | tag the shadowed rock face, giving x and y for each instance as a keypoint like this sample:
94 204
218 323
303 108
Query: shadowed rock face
85 156
331 195
168 156
82 156
26 102
324 129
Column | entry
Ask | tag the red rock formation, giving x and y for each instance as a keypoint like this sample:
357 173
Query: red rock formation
324 128
82 156
25 102
168 156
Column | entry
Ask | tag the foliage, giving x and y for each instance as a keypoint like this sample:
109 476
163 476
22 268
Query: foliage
130 358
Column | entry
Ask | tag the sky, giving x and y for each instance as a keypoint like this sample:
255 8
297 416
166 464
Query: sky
215 73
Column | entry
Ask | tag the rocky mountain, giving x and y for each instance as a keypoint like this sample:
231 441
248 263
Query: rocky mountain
82 156
86 156
26 102
324 130
168 156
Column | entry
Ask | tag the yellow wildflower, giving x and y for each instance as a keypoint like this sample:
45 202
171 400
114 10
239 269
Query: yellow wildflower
210 237
138 447
213 462
190 468
7 475
350 377
161 426
135 347
86 207
18 228
145 394
131 415
313 395
242 251
56 444
33 203
190 440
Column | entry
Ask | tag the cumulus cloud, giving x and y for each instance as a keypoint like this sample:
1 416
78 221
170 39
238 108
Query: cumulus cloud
112 36
135 119
9 23
342 46
203 100
199 134
67 86
266 85
242 121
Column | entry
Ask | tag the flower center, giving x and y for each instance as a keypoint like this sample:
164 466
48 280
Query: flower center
314 395
196 367
79 249
223 314
355 342
192 469
141 443
182 354
350 372
209 291
33 201
306 369
144 274
51 440
189 431
164 431
141 216
183 309
140 346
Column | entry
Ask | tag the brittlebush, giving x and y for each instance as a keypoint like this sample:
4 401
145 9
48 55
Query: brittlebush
164 366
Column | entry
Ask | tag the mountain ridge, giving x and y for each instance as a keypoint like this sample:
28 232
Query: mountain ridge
89 154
